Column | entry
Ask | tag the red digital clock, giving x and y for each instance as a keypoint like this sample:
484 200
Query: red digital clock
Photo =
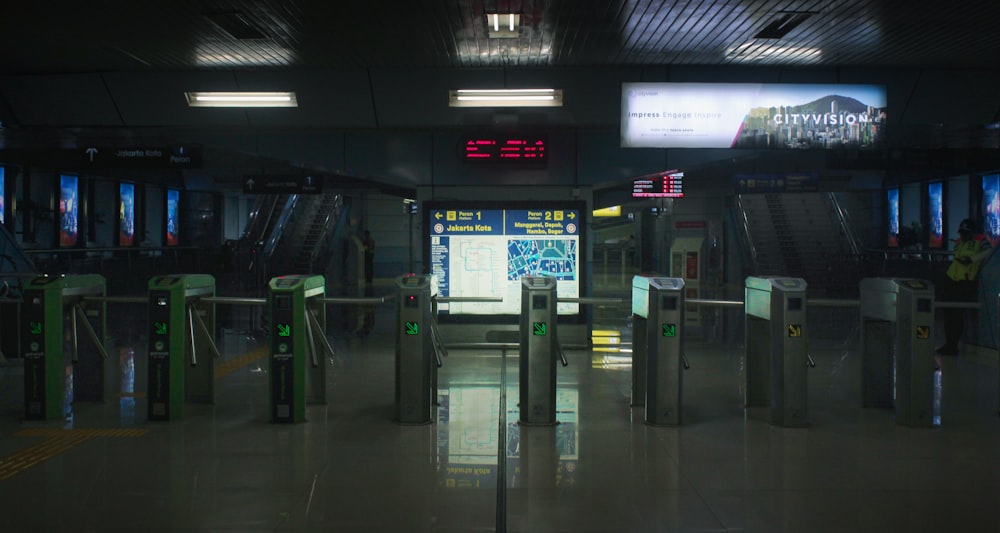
506 148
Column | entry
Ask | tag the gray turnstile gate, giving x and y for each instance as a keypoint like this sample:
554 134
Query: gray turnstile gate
539 349
657 318
897 318
416 390
776 349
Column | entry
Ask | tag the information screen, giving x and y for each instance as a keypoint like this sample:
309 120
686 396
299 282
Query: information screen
504 148
892 199
662 185
935 215
991 207
484 250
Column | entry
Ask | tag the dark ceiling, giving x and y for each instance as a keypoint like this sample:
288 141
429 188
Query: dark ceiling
112 72
129 35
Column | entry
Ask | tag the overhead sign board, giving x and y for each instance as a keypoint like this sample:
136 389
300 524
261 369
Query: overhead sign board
504 148
752 115
150 157
282 184
668 184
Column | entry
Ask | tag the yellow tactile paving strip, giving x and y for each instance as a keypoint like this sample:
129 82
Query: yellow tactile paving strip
229 366
58 441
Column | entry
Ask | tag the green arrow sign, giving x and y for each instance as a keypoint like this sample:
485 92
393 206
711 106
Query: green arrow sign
540 328
36 328
412 328
670 330
284 330
160 328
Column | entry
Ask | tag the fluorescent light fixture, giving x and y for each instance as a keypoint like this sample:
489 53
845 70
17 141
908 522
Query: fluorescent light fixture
505 98
503 25
241 99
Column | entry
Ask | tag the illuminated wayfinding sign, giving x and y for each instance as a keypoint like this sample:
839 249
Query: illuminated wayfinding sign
669 184
485 253
752 115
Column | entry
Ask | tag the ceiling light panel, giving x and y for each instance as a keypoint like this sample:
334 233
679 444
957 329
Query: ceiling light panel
503 25
241 99
505 98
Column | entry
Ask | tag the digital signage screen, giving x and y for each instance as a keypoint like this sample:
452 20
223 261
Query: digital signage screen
752 115
126 214
69 209
991 207
173 231
484 249
935 215
892 197
3 190
668 184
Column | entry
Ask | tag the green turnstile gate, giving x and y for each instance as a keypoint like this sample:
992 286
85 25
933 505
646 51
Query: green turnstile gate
776 349
658 347
538 351
417 350
298 372
54 309
182 348
897 320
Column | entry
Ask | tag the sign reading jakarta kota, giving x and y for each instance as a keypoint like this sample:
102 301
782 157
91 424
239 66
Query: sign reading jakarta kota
752 115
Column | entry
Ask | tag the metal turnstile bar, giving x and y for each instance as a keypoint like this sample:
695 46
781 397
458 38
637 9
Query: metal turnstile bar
358 300
469 299
718 303
232 300
593 301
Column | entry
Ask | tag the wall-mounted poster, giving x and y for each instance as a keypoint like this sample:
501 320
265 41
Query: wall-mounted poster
173 232
126 214
991 207
935 215
69 209
892 195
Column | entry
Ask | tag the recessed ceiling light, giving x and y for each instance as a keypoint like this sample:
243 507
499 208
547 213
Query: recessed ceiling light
241 99
505 98
503 25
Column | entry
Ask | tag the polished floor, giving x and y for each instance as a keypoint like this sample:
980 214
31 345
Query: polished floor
350 468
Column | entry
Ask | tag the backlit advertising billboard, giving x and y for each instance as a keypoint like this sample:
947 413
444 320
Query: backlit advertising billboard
935 214
892 208
991 207
69 210
2 194
752 116
173 231
126 214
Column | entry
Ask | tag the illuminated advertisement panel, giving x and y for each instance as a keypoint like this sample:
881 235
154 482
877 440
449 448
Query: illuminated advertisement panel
173 235
935 215
892 195
126 214
2 189
483 250
991 207
752 115
69 209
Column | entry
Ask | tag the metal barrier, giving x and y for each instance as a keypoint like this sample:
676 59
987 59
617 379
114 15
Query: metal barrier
416 342
539 348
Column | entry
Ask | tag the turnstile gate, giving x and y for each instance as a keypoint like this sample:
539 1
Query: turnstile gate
55 363
658 348
416 366
182 349
776 348
298 371
538 351
897 319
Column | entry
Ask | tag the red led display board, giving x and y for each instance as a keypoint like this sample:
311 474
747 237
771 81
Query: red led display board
504 148
668 184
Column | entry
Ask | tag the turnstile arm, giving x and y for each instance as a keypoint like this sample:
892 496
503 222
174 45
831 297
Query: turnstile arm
194 348
205 332
562 355
810 362
82 317
312 340
322 337
436 339
684 361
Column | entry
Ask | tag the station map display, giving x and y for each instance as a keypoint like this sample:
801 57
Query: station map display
486 252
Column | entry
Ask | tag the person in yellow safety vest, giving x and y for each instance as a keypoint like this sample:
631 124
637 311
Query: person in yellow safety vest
962 282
